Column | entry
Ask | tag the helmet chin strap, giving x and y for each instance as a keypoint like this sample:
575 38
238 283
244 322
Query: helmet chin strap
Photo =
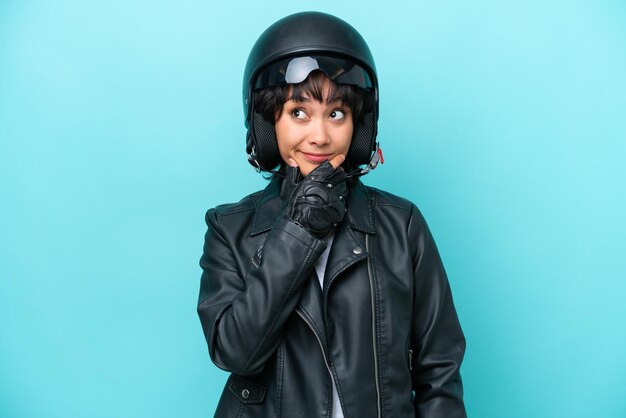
377 157
253 161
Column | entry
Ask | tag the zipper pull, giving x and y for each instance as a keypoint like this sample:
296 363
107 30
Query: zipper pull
411 360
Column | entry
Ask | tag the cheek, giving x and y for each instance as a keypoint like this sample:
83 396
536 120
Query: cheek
283 151
285 137
345 137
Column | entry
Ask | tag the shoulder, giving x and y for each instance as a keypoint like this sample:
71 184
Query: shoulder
385 202
384 198
247 205
255 213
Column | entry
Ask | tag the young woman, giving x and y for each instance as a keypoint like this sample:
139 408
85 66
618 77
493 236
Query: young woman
324 297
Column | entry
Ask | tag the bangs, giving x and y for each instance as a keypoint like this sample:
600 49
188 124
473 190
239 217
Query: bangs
312 88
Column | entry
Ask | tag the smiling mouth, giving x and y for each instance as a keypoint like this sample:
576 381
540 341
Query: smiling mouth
316 158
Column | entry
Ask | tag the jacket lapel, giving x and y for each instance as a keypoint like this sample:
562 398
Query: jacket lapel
360 209
310 306
347 249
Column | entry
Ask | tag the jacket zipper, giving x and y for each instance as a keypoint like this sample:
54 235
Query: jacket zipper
369 274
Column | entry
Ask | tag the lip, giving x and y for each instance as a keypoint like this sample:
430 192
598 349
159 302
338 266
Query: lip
315 158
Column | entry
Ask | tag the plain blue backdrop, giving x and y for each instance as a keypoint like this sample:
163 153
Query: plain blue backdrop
121 123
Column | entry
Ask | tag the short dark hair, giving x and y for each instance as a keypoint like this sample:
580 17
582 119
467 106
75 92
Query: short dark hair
269 101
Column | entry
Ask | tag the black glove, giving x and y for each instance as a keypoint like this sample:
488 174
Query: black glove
317 202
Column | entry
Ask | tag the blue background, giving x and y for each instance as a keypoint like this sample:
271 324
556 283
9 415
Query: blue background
121 123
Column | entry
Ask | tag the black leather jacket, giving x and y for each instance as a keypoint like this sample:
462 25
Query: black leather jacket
384 326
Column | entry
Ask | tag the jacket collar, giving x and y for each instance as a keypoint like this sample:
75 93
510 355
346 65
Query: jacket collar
359 213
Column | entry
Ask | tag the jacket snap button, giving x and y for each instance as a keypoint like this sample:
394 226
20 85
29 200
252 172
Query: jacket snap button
245 393
357 250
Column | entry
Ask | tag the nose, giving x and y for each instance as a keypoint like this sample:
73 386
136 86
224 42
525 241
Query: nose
319 135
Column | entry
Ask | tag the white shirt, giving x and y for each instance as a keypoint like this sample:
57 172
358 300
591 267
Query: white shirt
320 269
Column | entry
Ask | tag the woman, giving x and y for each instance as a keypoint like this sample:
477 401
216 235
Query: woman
321 296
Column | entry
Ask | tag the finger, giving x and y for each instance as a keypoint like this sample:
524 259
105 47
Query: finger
337 160
292 162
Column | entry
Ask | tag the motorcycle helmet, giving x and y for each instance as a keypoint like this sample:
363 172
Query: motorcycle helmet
286 53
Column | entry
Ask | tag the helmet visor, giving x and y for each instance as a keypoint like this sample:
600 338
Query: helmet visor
296 70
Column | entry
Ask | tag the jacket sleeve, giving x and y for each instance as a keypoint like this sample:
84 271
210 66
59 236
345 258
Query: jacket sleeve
437 342
243 313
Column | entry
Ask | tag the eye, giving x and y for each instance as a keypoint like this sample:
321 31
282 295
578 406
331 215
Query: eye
298 113
337 114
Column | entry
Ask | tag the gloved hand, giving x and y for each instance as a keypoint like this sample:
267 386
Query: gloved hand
317 202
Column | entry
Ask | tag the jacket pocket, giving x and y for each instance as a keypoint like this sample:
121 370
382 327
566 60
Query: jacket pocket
245 390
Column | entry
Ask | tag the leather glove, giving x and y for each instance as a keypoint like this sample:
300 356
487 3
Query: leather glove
317 202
